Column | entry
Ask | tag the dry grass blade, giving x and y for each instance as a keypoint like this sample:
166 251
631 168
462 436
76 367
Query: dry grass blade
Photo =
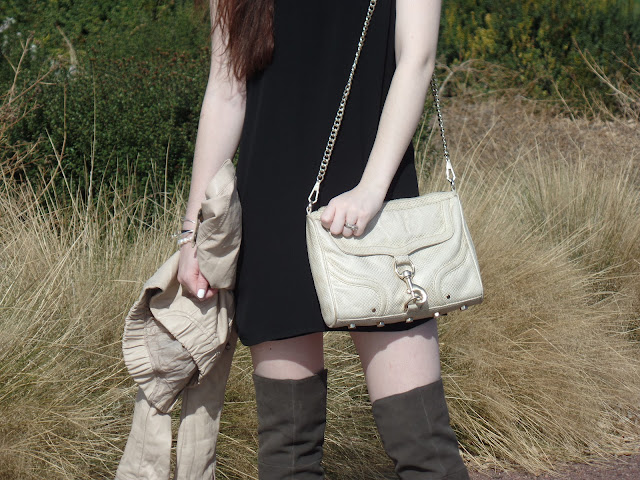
15 105
625 87
546 369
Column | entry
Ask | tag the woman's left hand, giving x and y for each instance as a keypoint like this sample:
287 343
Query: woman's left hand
355 207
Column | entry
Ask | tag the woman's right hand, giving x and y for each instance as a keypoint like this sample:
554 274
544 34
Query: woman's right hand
189 275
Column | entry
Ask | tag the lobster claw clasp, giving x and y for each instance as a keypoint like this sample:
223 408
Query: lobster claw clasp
418 294
313 196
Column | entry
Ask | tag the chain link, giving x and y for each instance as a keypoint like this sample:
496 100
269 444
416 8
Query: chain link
313 196
451 175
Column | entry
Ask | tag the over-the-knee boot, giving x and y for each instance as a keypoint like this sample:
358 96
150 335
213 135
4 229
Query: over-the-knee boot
291 423
416 434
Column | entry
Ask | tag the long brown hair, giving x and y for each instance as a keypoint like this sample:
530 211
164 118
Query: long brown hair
248 25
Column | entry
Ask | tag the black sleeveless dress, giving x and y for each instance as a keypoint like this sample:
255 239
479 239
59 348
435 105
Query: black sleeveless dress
289 113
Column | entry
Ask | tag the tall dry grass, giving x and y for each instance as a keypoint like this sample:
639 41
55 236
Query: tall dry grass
623 85
69 270
68 274
546 369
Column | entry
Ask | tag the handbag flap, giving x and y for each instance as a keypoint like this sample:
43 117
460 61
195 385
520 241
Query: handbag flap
400 227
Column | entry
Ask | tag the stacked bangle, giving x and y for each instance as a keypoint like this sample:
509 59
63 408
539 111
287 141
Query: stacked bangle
182 232
186 235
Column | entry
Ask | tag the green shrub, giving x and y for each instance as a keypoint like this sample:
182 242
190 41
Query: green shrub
538 39
144 111
135 71
86 23
135 77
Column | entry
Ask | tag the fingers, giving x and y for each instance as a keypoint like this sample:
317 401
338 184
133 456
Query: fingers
350 226
335 218
193 282
337 225
327 216
203 290
331 219
348 214
199 288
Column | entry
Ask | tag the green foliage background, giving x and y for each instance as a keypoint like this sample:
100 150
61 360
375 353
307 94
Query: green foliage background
133 85
134 93
538 39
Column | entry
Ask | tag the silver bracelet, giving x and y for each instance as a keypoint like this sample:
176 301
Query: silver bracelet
183 232
192 233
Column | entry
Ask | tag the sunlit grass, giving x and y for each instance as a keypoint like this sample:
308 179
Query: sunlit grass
546 369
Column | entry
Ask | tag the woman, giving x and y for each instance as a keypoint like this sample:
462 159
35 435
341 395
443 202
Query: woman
278 69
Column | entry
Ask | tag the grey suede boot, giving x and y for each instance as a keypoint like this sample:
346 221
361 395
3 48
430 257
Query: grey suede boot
291 423
415 431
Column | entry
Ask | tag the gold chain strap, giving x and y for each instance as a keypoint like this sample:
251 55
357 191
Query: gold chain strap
451 175
313 196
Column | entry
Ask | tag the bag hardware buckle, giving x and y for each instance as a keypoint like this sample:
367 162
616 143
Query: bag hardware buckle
418 294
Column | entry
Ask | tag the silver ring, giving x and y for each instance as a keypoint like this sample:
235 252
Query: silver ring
351 226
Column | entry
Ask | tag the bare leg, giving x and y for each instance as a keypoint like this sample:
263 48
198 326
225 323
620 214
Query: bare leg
396 362
292 358
403 376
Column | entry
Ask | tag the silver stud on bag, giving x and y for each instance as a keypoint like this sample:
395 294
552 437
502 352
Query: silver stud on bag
436 315
409 320
352 326
463 307
380 324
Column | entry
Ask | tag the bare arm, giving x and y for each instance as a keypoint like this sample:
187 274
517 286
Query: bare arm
417 23
220 126
219 130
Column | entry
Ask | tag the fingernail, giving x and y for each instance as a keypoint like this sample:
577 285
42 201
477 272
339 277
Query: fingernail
201 293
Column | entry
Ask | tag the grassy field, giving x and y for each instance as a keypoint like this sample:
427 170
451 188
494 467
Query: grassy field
546 369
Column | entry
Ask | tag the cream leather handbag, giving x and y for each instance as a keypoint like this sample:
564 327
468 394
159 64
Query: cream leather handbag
415 259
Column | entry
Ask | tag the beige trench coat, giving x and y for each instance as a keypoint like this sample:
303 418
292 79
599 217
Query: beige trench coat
175 344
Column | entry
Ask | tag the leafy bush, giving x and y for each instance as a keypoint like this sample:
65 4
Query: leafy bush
538 39
127 88
125 111
134 71
85 23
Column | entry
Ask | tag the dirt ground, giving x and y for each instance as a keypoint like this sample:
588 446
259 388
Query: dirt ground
625 467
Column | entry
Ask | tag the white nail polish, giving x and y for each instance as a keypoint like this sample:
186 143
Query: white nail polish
201 293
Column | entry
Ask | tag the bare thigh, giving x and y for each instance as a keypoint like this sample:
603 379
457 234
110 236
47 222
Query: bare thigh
291 358
396 362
